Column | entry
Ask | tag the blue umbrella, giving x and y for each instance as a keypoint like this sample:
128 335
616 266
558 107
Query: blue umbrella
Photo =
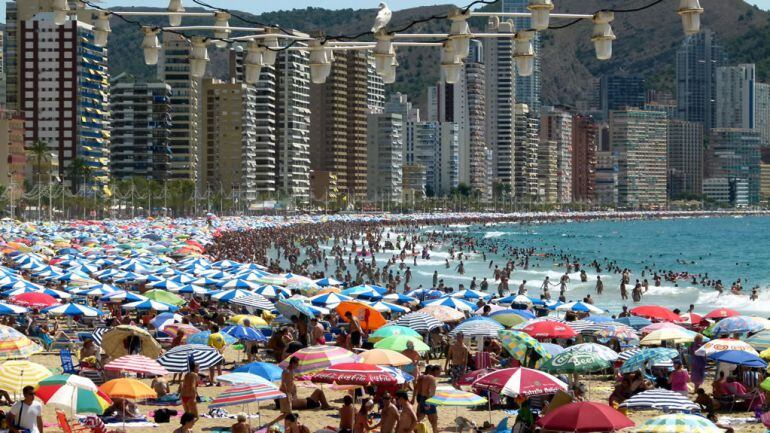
244 333
523 313
10 309
273 292
639 360
365 291
456 303
326 282
293 307
520 299
203 338
553 349
423 294
72 310
635 322
399 297
736 325
229 295
329 300
149 304
262 369
163 319
739 357
122 295
193 289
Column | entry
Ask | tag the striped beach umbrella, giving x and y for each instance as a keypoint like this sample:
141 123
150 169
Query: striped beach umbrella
121 296
585 327
96 291
173 329
328 281
239 284
660 399
456 303
149 305
470 295
759 341
11 310
611 332
74 393
674 336
229 295
448 396
192 289
14 344
520 381
366 291
316 358
387 307
678 423
254 301
177 359
603 352
418 321
478 328
97 334
580 307
246 394
273 292
640 359
242 379
736 325
15 375
72 310
635 322
393 330
329 300
137 364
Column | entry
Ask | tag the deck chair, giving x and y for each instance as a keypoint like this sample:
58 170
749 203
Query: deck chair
63 341
67 365
65 425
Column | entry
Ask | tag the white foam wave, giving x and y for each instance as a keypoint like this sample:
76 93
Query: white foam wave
489 235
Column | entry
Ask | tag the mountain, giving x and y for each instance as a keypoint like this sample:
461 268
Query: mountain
646 42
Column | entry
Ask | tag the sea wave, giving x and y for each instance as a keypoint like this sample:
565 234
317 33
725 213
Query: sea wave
489 235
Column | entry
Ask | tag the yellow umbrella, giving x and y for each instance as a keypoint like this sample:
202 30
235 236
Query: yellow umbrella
384 357
128 388
672 335
15 375
113 342
255 320
442 313
14 344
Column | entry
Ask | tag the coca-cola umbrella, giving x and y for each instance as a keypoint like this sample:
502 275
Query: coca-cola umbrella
584 417
351 373
520 381
547 329
656 312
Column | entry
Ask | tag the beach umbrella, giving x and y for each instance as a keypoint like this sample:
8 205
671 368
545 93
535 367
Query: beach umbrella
575 361
423 294
508 317
202 338
72 310
384 357
244 333
721 313
121 296
97 290
603 352
443 313
242 379
113 342
136 364
272 292
239 284
366 291
476 328
239 395
418 321
398 343
722 344
673 336
192 289
401 298
74 393
34 300
164 319
655 312
470 377
127 388
584 416
635 322
691 318
15 375
164 297
585 327
165 285
354 373
519 300
678 423
149 305
265 370
580 307
448 396
385 307
295 307
520 381
254 302
552 349
329 281
455 303
622 333
173 329
738 357
254 321
548 329
177 359
11 310
369 318
470 294
661 325
14 344
640 359
316 358
736 325
519 344
759 341
393 330
229 295
660 399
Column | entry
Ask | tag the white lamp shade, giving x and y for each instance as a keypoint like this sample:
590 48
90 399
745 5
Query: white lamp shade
175 20
525 65
541 13
254 54
59 17
151 56
102 22
603 34
100 37
459 35
389 77
319 72
451 72
251 73
197 67
222 20
603 48
150 46
691 23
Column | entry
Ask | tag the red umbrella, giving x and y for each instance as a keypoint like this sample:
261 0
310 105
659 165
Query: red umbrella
520 381
584 417
691 318
34 300
721 313
549 329
473 376
350 373
656 312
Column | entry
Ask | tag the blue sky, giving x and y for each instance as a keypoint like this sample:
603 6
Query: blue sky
258 6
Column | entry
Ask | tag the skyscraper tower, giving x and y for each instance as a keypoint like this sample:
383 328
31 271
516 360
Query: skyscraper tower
697 61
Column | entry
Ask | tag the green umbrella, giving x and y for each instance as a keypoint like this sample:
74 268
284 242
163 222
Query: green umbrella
164 296
519 344
398 343
391 331
765 384
575 361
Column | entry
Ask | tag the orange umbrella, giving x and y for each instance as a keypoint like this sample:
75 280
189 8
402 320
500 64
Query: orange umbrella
384 357
369 318
128 388
329 290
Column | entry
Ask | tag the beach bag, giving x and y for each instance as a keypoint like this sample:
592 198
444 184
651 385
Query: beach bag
423 427
164 415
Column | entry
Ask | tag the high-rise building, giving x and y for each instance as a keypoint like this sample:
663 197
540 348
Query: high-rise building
736 96
385 157
616 92
338 114
526 144
697 60
556 125
500 98
762 117
174 70
734 154
638 137
12 172
376 88
547 171
436 148
63 92
3 84
685 158
585 139
527 89
410 117
11 54
231 165
141 124
764 182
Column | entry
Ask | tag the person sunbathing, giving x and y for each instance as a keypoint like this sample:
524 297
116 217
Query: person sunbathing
733 388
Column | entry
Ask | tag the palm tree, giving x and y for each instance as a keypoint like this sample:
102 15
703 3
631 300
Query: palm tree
39 150
79 170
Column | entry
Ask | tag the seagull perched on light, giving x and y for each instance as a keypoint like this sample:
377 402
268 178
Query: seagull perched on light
383 18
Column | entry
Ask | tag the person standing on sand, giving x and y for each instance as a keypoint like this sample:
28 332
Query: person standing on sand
390 414
458 357
407 419
347 415
188 391
289 388
425 389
